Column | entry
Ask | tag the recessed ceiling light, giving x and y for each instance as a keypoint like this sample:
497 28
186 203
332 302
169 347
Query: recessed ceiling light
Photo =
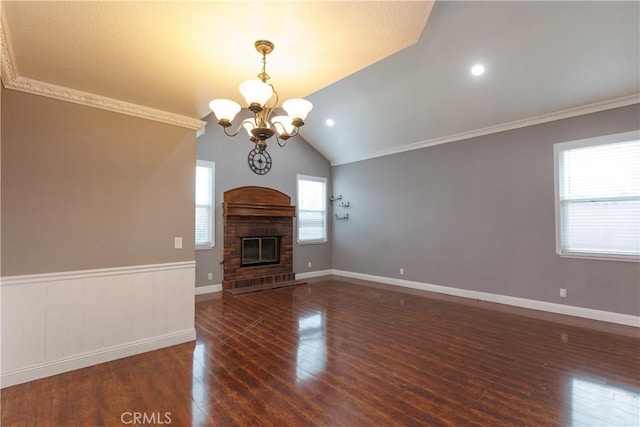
477 69
330 122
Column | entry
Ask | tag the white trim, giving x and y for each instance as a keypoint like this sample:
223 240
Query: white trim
208 289
7 71
36 87
613 138
558 189
98 272
587 313
323 180
600 257
311 274
13 81
79 361
516 124
55 322
207 164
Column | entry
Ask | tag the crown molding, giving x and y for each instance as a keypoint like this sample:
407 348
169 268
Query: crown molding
12 80
61 93
7 72
595 107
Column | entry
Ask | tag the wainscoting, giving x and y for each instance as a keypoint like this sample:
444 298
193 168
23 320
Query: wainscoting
53 323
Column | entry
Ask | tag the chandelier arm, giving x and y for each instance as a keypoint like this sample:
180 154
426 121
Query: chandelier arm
239 128
277 125
257 117
295 132
269 110
281 142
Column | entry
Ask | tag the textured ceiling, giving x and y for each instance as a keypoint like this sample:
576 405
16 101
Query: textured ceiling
177 56
389 79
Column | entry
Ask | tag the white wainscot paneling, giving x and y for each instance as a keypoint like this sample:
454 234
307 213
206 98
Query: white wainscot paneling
53 323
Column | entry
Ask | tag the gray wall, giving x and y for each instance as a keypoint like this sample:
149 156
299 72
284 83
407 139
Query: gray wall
85 188
478 214
232 170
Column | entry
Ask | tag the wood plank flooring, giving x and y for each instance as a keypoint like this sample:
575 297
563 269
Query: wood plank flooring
333 353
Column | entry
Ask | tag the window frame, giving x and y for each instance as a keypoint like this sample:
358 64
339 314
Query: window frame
211 165
325 238
581 143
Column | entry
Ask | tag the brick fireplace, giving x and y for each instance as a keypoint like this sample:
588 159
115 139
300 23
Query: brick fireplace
257 216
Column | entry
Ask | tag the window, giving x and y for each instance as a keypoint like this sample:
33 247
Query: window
312 209
598 197
595 403
205 174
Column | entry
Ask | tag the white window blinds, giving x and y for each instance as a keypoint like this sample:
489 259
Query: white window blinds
205 173
598 187
312 209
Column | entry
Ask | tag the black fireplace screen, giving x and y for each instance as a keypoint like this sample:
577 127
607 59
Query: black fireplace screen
260 251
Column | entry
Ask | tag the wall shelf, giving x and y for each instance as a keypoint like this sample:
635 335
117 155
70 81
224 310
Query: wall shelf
343 204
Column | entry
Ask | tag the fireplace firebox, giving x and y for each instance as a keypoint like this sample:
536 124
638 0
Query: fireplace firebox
260 251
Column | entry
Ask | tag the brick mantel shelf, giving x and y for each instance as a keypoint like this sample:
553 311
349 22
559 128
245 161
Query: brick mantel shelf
255 212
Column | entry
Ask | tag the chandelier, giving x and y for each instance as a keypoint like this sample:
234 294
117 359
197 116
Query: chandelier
262 100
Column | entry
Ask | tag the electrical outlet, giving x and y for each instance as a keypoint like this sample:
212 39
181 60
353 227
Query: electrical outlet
401 271
177 242
563 293
309 265
210 276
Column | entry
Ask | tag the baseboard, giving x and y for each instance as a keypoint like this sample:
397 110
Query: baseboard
311 274
79 361
587 313
208 289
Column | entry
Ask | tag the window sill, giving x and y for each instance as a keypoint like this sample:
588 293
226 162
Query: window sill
204 247
600 257
312 242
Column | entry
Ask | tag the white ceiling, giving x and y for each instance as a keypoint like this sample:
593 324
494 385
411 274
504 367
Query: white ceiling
541 58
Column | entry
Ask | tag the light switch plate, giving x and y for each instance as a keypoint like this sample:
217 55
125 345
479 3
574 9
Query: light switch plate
177 242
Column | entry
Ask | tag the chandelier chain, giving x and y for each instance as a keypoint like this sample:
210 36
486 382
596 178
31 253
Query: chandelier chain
263 75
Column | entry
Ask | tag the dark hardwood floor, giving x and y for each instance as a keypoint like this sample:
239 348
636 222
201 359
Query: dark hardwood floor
334 353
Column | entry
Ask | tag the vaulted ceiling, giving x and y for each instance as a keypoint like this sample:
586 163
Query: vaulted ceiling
176 56
392 76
